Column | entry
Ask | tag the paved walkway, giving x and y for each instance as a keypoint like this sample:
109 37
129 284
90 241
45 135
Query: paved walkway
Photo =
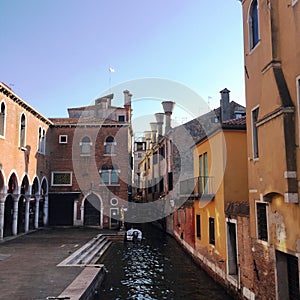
28 263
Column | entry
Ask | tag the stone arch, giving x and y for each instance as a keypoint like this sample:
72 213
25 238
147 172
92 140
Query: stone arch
43 205
25 192
12 185
34 203
2 183
92 210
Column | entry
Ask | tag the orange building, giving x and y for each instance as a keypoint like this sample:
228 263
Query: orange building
24 174
220 204
272 78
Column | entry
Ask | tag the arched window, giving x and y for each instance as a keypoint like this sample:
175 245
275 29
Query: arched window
109 145
114 176
23 131
2 119
104 173
86 145
42 140
109 175
253 24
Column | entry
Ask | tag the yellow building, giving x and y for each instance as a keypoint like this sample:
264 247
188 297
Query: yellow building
272 77
221 205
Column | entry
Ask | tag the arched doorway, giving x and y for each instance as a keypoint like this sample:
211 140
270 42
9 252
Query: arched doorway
8 215
9 205
22 205
92 210
32 204
43 207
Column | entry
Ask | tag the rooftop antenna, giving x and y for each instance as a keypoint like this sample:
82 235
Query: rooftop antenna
111 70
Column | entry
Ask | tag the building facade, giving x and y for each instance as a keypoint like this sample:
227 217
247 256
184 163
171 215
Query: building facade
24 165
91 164
272 70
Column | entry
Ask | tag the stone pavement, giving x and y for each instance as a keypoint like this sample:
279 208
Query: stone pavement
28 263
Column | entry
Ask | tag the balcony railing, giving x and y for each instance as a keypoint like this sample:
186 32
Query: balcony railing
197 188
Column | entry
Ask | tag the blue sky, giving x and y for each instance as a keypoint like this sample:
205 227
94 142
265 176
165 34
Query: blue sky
56 54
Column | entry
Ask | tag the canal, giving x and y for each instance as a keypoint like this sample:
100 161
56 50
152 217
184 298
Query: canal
156 268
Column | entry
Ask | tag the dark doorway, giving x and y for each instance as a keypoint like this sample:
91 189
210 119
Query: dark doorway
8 216
61 209
21 214
92 210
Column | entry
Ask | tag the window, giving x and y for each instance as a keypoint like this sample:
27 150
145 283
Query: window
203 173
109 145
61 179
232 256
139 155
109 176
253 24
2 119
262 224
121 118
63 139
85 145
161 186
212 231
198 227
41 140
148 163
255 132
23 131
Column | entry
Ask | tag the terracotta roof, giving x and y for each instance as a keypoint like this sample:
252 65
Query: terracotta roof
238 122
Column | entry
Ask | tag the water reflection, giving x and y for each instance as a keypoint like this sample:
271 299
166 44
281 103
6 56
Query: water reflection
156 268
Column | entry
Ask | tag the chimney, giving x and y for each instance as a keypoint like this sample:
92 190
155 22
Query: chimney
147 135
127 104
153 126
224 105
160 121
168 107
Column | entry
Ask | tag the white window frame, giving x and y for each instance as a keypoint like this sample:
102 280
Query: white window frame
22 147
89 143
109 177
61 172
42 140
250 42
61 136
234 281
4 119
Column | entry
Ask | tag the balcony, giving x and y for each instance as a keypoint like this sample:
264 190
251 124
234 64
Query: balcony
197 188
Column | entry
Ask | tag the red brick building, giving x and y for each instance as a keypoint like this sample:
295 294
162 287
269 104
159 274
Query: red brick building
90 164
24 162
66 171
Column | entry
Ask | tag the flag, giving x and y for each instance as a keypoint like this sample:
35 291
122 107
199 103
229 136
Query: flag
111 70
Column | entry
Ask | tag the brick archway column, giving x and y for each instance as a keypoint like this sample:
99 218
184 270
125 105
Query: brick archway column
15 216
2 208
27 213
36 214
46 203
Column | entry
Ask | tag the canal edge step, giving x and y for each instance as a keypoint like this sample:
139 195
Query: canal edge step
90 252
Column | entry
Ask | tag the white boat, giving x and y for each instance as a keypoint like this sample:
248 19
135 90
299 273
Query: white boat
133 235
